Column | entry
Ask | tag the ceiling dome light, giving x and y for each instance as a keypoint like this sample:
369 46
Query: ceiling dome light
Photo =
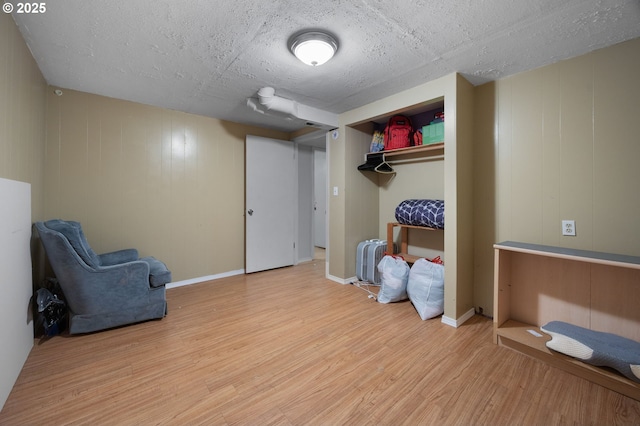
314 48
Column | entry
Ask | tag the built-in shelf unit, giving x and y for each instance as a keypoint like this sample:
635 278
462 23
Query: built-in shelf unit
420 172
404 239
536 284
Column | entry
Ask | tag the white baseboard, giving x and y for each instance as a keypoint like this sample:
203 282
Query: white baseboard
341 280
457 323
203 279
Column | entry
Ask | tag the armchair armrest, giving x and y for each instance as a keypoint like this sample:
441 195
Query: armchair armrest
107 288
159 275
117 257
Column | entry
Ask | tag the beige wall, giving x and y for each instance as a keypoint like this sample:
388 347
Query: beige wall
559 142
22 113
168 183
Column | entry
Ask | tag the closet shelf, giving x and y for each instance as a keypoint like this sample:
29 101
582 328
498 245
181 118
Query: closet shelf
377 161
426 150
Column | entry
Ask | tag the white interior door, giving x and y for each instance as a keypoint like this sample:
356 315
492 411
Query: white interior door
320 197
270 203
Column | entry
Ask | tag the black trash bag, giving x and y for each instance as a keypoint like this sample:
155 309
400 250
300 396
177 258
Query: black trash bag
52 309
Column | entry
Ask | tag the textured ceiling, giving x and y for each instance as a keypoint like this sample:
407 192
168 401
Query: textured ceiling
208 56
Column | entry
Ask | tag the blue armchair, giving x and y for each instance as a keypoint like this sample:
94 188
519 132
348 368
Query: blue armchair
107 290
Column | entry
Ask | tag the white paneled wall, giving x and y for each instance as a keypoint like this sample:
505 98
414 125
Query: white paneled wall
16 331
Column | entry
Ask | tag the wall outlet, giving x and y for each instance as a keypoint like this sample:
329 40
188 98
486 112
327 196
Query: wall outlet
569 227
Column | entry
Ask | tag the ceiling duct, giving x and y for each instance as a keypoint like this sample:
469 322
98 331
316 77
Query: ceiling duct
267 97
268 103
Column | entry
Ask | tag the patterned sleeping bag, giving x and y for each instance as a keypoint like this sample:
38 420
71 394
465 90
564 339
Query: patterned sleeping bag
428 213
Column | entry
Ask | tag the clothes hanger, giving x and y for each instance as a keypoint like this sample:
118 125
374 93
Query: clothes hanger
384 167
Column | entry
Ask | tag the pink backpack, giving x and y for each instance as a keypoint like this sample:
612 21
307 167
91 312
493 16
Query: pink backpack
398 133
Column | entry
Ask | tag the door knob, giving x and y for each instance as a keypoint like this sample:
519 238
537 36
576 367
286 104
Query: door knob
250 212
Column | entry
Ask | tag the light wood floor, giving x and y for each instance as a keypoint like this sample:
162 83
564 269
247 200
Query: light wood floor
290 347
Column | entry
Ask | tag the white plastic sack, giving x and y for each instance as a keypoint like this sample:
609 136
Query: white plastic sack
394 274
425 288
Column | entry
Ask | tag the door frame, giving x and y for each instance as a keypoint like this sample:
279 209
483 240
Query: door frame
320 139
